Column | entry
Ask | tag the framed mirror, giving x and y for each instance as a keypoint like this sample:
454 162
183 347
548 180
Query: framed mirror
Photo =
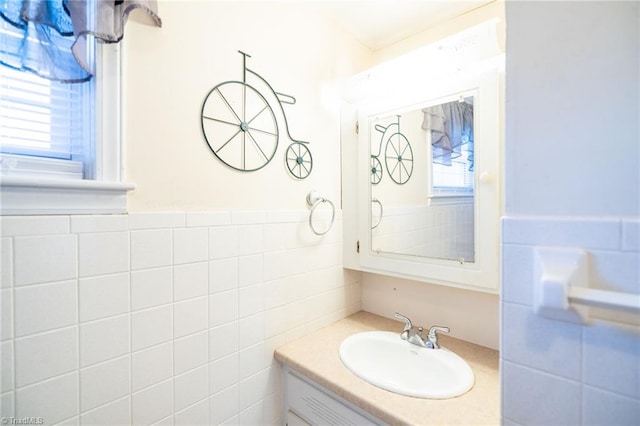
423 182
421 155
424 200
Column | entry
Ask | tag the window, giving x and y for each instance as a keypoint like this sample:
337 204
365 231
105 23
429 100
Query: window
60 142
47 126
456 179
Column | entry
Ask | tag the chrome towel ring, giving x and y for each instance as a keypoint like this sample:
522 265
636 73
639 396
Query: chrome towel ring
314 199
375 200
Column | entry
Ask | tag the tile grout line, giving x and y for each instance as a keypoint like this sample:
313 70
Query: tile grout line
77 280
130 316
13 326
209 362
173 324
237 319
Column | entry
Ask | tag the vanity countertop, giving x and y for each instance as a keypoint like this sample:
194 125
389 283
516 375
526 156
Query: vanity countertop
316 356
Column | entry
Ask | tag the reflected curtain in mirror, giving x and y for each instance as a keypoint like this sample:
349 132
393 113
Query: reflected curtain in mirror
451 126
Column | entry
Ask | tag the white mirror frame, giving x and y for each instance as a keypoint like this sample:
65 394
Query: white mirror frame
483 274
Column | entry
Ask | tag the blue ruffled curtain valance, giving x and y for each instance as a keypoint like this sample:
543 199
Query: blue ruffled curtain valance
451 127
50 37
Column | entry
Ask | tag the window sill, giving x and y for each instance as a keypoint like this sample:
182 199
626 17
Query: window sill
449 199
27 195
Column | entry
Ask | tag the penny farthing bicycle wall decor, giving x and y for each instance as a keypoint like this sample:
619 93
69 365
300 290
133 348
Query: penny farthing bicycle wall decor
240 126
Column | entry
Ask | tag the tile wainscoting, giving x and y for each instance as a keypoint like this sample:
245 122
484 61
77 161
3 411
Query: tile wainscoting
161 318
560 373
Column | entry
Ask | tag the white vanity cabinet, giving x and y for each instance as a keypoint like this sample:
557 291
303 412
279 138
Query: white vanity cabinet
308 403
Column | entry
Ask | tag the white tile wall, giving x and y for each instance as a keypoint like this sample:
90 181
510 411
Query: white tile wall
449 228
44 259
197 414
45 307
103 253
160 318
104 382
224 405
43 356
191 387
151 366
104 339
53 400
558 373
151 287
114 413
6 262
6 367
152 404
6 315
599 405
224 372
190 280
190 245
190 316
151 327
191 352
103 296
151 248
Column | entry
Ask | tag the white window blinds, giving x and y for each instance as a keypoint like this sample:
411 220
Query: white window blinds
454 179
43 119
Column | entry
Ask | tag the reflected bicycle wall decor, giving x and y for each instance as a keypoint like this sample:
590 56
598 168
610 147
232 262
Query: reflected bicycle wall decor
398 155
241 129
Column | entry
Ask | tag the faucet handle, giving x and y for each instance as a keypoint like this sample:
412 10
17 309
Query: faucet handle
432 336
407 322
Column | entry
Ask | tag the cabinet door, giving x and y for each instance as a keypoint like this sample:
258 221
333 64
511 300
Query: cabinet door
294 420
317 407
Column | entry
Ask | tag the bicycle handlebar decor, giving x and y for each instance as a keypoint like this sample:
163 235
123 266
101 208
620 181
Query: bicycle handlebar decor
241 128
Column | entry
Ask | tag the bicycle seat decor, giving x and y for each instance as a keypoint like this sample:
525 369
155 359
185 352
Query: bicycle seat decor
240 126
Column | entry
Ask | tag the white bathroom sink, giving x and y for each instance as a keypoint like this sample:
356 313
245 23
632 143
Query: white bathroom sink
383 359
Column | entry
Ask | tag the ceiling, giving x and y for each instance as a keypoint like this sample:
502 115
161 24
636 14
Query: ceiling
381 23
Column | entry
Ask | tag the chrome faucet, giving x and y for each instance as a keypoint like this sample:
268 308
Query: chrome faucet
410 333
432 336
413 334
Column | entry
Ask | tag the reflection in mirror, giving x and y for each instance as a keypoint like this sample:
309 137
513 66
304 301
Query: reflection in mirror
422 181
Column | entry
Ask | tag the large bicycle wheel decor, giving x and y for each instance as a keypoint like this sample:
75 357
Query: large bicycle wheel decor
398 157
239 126
299 160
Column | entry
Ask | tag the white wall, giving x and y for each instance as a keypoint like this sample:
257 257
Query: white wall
471 316
169 71
572 180
449 28
573 107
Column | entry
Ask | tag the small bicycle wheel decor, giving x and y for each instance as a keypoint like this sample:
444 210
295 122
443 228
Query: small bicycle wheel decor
376 170
398 157
299 160
239 126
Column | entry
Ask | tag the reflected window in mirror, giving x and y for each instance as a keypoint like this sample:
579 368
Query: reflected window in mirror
450 130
